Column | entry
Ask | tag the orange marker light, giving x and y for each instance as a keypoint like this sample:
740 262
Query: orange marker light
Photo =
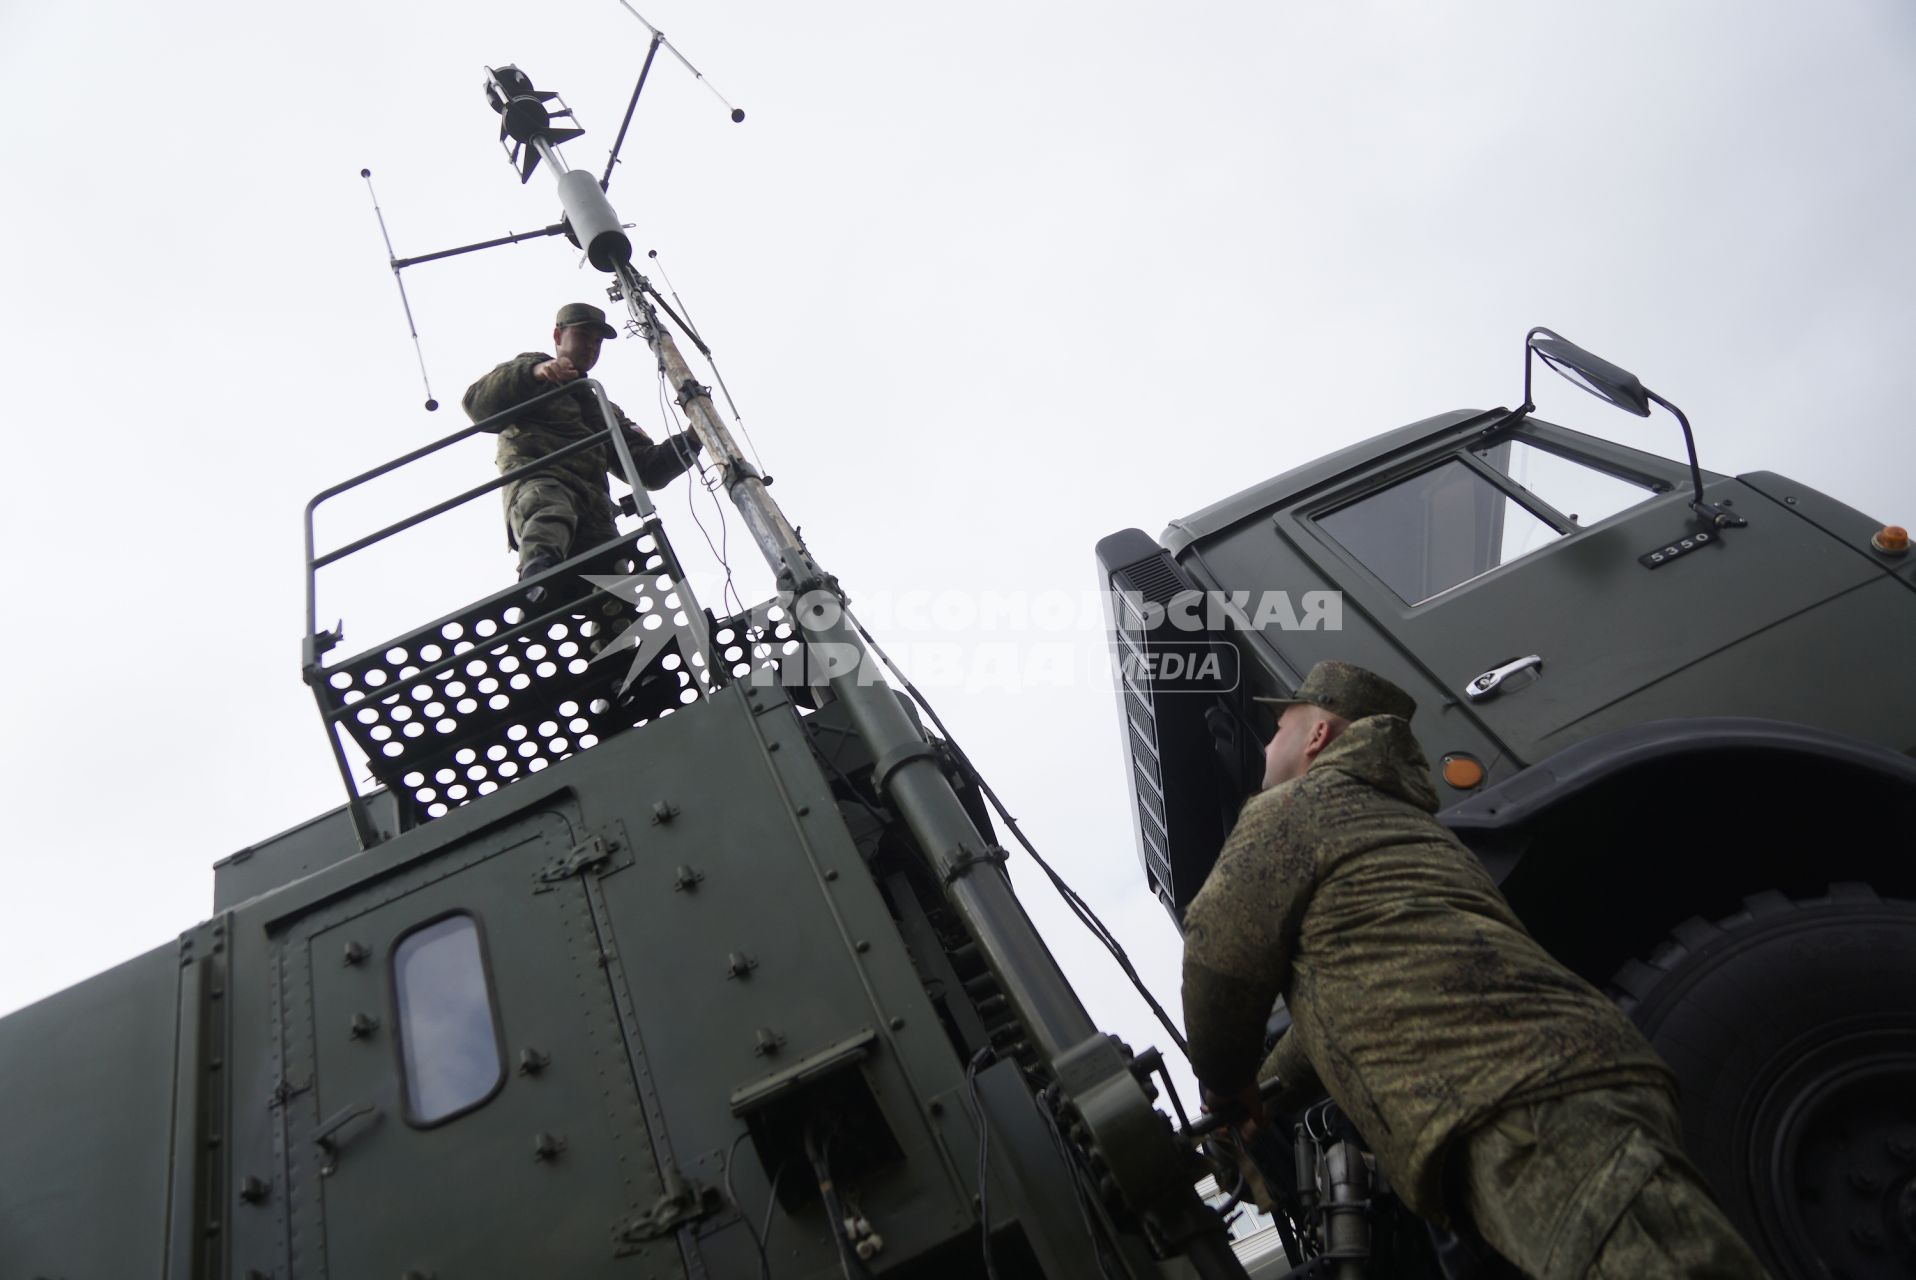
1891 538
1462 772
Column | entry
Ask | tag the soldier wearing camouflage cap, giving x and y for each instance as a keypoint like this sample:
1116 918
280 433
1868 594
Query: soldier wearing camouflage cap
553 514
1498 1090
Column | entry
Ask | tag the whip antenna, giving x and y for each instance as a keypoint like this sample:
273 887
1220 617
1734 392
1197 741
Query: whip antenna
659 37
393 259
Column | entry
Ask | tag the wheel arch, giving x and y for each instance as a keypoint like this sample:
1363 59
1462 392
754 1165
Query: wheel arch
1605 846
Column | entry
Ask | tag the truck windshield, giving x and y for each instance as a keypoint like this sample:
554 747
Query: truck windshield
1436 530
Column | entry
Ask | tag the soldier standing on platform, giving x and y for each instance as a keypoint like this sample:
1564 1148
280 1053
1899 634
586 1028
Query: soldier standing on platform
554 514
1497 1088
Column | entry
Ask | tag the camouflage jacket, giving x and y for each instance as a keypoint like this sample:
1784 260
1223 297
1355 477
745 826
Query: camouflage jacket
564 419
1416 996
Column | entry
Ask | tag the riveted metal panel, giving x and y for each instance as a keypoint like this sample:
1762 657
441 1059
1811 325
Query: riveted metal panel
780 885
87 1114
534 1179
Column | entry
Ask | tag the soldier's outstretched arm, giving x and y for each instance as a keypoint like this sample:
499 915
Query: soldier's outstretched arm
658 464
508 384
1240 933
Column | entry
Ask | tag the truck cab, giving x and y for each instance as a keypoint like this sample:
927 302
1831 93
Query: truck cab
1671 712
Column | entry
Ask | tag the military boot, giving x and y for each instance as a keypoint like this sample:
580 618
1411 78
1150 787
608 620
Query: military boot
536 564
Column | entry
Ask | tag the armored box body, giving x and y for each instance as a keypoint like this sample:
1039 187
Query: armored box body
566 1029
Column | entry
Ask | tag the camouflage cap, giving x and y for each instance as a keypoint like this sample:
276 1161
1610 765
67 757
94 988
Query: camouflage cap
585 313
1350 692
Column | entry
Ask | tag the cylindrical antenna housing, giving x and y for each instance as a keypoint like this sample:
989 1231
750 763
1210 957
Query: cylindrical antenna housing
592 223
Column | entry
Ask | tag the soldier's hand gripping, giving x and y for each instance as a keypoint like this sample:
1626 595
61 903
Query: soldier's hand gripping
1244 1109
557 370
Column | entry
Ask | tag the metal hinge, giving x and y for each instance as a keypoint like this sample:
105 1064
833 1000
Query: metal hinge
285 1090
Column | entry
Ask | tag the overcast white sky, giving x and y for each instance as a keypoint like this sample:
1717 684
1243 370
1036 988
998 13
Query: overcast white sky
989 282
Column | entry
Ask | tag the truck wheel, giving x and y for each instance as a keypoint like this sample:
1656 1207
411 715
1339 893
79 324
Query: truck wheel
1792 1028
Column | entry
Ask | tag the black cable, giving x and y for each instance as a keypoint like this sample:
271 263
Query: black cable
758 1241
1079 1195
691 331
1177 1103
1085 914
983 1058
820 1157
765 1226
720 549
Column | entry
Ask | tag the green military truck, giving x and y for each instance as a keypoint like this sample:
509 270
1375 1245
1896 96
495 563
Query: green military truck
1675 714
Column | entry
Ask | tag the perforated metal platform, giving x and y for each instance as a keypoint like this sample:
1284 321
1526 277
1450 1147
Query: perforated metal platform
503 689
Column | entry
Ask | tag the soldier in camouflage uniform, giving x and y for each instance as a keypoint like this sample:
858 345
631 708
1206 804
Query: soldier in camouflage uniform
1496 1088
552 514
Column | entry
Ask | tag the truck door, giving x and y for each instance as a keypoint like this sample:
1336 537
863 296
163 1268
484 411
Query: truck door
1548 582
471 1108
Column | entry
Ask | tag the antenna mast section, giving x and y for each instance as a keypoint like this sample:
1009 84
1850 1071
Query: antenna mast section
1096 1078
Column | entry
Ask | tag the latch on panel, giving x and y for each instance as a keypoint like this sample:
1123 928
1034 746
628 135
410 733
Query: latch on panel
593 853
284 1090
682 1202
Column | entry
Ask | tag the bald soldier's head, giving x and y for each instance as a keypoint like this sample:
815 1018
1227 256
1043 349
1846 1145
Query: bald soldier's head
1303 731
1331 696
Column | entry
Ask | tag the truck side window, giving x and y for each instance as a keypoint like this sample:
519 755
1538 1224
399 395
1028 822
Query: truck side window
1436 530
1575 488
448 1039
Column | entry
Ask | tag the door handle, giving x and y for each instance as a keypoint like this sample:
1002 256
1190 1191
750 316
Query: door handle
1492 680
327 1138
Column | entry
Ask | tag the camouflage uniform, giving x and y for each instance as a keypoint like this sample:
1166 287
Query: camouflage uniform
1439 1026
550 515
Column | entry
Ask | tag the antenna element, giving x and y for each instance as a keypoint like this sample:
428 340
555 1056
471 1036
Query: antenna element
393 260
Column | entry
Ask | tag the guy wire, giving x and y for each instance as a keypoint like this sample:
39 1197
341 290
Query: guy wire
730 591
710 359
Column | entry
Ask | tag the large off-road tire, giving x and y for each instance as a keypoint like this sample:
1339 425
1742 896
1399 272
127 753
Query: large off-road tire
1792 1027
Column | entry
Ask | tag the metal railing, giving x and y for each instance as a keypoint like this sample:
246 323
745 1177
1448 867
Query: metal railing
317 643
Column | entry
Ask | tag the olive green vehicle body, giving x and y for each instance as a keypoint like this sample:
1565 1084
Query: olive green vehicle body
677 926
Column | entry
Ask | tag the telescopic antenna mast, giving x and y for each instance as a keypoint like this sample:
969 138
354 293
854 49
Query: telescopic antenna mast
1094 1075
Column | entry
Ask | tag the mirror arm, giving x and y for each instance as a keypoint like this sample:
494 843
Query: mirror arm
1711 514
1530 355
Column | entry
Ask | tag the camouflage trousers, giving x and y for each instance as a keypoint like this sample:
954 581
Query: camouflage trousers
1595 1184
547 517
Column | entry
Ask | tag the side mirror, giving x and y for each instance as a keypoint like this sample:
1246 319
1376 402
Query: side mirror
1593 373
1619 387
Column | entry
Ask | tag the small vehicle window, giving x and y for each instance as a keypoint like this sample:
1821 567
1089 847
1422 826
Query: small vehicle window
1436 530
1575 488
448 1041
